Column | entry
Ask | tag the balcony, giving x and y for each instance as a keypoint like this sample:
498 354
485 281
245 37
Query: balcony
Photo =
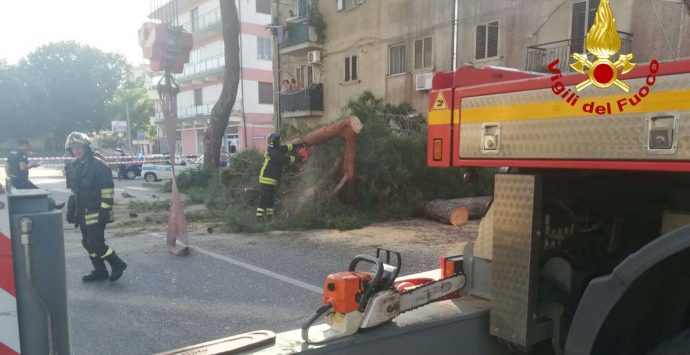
302 103
298 38
540 56
204 25
193 112
209 69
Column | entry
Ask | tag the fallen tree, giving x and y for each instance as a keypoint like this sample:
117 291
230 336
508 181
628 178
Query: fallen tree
457 211
348 129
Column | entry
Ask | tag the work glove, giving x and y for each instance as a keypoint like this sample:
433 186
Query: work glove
71 215
105 215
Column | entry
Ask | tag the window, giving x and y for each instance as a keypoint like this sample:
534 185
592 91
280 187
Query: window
305 75
342 5
351 68
198 97
195 19
423 53
582 19
486 44
396 59
265 93
263 6
263 48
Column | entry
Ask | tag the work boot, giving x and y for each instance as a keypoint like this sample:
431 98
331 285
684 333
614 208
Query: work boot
99 273
117 266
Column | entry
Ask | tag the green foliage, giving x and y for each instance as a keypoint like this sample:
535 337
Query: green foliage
141 207
134 94
315 19
59 88
393 180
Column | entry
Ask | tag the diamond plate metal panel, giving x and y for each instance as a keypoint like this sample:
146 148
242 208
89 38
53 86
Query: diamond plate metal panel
517 219
484 244
617 137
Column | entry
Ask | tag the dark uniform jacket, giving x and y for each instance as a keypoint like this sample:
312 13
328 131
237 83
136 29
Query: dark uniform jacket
13 160
274 160
91 182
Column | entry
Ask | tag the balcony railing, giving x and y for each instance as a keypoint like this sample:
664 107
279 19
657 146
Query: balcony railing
309 99
203 21
203 110
295 33
203 66
540 56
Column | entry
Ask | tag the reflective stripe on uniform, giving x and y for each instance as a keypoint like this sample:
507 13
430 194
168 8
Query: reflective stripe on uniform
105 205
260 212
269 212
289 147
93 255
268 181
108 252
91 218
292 159
107 193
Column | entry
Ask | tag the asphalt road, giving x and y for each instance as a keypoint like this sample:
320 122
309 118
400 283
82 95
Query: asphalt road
230 284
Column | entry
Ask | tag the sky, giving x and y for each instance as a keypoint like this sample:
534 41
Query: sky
110 25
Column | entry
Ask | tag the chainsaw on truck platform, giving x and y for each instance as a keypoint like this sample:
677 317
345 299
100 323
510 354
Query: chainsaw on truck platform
354 300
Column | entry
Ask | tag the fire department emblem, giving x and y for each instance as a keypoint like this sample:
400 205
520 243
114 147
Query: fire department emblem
603 41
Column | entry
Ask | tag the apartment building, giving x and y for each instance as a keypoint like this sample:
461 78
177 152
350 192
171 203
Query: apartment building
201 82
337 49
530 34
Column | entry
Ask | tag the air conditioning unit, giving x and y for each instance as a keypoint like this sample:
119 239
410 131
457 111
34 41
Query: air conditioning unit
423 81
314 57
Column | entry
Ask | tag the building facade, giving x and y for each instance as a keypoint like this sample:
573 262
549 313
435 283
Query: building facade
201 82
337 49
530 34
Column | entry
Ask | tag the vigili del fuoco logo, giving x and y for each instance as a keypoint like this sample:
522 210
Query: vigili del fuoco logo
602 42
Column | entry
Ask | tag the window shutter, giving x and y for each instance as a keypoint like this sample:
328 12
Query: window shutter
492 40
347 69
354 67
592 13
428 52
480 46
418 54
577 28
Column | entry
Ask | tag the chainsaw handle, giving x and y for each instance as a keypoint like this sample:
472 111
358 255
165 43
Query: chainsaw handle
370 259
305 327
371 287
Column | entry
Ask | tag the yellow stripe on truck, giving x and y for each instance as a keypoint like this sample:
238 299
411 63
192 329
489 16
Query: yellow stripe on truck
654 102
439 117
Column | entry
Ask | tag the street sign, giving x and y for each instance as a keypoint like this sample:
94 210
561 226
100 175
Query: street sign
119 126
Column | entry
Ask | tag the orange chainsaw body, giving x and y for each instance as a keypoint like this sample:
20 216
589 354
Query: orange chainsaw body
343 290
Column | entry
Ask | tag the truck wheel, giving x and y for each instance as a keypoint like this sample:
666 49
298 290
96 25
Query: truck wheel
131 174
676 345
150 177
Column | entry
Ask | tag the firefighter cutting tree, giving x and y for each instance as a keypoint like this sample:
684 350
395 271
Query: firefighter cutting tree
276 157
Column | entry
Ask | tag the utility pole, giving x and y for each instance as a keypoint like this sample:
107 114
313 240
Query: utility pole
129 128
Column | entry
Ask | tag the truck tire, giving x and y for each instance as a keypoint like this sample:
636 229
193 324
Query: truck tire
676 345
150 177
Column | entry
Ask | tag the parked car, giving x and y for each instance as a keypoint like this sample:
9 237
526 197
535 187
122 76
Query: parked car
158 167
132 170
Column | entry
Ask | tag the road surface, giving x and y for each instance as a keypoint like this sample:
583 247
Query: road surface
230 284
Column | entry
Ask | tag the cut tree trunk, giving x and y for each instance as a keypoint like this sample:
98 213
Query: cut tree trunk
348 129
457 211
220 115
